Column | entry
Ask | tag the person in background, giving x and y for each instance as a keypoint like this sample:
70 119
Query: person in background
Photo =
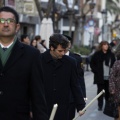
113 43
33 43
101 62
61 78
114 82
39 45
21 78
80 70
25 39
43 43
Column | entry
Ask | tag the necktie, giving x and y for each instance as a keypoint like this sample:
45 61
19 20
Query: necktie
4 49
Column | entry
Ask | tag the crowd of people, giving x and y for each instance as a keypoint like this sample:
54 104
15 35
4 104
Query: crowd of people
33 77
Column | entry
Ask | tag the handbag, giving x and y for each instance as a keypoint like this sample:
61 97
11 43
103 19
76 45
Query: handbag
111 109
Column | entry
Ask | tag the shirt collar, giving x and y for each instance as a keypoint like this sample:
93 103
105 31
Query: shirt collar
2 46
67 53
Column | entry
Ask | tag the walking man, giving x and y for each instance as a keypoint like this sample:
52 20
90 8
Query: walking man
21 80
61 78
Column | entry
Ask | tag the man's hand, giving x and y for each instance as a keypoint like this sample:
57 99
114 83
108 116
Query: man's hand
81 113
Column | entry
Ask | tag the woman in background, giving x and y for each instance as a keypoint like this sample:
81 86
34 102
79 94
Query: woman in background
33 43
101 62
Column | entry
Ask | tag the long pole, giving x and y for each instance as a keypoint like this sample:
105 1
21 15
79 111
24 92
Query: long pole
53 112
103 91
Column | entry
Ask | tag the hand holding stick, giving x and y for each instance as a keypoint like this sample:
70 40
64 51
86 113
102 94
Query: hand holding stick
103 91
53 112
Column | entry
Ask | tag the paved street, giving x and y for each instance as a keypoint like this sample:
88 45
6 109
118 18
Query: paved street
92 112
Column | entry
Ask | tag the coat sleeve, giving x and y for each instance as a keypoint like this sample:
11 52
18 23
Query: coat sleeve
93 63
76 89
38 102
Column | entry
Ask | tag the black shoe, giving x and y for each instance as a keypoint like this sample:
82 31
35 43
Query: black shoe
99 109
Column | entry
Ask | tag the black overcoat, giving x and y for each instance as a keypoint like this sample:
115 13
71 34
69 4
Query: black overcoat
60 78
96 65
21 79
80 72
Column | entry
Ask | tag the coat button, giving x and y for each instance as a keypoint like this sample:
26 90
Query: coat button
1 74
1 92
54 89
54 74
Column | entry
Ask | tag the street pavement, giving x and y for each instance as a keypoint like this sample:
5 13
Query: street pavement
92 112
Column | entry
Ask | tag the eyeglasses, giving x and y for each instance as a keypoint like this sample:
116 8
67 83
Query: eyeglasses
9 20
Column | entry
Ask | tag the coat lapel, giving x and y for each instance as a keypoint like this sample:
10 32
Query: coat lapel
16 53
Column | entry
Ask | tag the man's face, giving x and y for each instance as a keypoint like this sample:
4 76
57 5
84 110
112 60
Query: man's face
58 52
27 40
8 26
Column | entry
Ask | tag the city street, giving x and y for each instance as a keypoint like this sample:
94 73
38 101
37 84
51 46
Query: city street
92 112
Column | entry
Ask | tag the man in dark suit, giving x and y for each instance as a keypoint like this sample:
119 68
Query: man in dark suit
61 78
21 78
80 70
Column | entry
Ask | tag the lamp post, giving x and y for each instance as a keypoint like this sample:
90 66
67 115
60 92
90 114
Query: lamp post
104 17
104 26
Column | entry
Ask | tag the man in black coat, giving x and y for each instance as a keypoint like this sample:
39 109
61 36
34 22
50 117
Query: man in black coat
61 78
21 78
80 70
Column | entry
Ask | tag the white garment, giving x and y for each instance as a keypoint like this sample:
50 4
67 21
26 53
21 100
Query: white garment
41 48
106 71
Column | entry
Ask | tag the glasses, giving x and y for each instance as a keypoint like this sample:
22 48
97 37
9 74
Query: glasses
9 20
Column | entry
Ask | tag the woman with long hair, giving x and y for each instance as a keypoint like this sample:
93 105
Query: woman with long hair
100 64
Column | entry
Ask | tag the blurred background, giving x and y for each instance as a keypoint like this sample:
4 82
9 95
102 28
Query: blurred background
88 22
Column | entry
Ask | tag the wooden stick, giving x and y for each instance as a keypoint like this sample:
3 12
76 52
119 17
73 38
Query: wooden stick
103 91
53 112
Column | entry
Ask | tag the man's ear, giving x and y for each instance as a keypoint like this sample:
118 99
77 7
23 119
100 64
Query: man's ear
51 48
17 27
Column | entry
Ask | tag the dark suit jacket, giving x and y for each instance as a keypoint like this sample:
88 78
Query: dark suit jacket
21 81
60 78
80 72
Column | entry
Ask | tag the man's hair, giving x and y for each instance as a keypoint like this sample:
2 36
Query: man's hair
23 37
58 39
37 37
9 9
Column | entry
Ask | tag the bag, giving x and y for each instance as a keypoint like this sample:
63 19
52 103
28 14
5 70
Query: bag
111 109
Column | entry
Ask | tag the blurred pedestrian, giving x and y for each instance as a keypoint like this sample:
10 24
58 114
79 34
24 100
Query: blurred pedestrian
101 62
25 39
21 78
39 45
114 82
43 43
61 78
113 43
33 43
80 70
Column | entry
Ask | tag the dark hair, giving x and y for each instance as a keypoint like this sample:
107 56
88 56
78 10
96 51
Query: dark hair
37 37
103 43
23 37
32 42
9 9
42 42
58 39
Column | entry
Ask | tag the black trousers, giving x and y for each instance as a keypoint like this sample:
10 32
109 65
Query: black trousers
100 87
